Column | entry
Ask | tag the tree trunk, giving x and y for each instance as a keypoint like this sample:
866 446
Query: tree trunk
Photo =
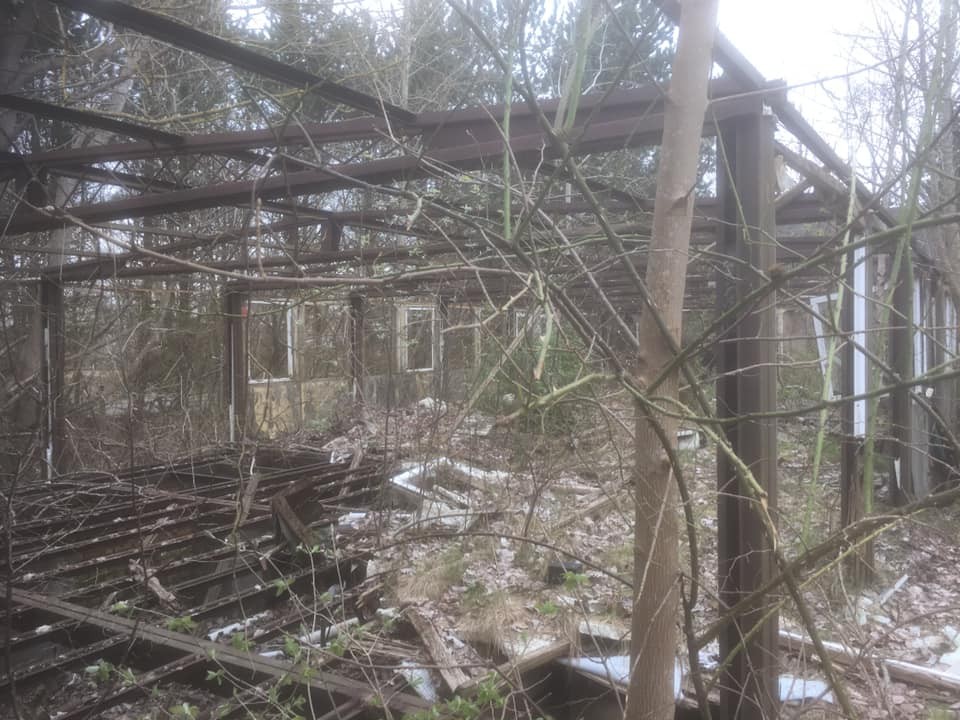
656 568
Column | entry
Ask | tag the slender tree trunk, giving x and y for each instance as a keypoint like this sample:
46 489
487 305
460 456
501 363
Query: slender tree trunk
654 629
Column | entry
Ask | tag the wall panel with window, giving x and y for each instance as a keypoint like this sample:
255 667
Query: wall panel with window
323 342
418 330
270 332
461 337
378 337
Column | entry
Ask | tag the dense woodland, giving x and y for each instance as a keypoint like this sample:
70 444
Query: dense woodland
519 336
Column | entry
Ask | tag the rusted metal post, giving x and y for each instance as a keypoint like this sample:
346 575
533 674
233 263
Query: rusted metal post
332 234
357 369
235 308
53 425
853 413
747 386
442 373
901 360
851 500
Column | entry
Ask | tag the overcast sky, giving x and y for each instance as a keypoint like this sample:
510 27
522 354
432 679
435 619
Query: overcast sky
799 41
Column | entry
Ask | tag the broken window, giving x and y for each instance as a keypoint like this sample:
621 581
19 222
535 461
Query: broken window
532 324
418 338
460 342
324 347
270 332
377 338
823 306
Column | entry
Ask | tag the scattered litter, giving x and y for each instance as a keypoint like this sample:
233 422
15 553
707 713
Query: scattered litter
688 439
234 628
557 570
411 485
615 669
432 405
352 519
796 690
896 586
166 598
602 636
709 656
950 662
320 637
476 424
420 680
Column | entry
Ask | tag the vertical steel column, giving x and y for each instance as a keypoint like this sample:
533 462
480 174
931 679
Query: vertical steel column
332 235
357 367
942 390
853 413
901 360
441 381
747 386
235 305
851 498
53 425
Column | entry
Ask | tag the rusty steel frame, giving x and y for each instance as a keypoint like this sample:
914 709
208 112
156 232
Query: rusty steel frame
458 150
421 146
45 620
165 29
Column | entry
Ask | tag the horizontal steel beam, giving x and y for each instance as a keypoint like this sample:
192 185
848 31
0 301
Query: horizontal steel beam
457 150
190 38
86 118
438 129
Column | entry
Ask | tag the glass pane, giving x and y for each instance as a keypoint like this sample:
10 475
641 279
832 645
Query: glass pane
269 349
377 338
325 346
460 345
419 335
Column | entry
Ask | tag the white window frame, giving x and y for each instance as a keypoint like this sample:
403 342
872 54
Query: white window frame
537 323
290 348
859 336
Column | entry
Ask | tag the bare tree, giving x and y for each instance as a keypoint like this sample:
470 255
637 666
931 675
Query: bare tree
656 560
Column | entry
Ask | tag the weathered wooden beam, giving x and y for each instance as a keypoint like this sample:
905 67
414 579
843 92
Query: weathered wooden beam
357 333
517 667
447 666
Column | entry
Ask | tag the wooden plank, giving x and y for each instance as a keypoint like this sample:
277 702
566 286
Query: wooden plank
294 531
226 655
519 666
450 671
